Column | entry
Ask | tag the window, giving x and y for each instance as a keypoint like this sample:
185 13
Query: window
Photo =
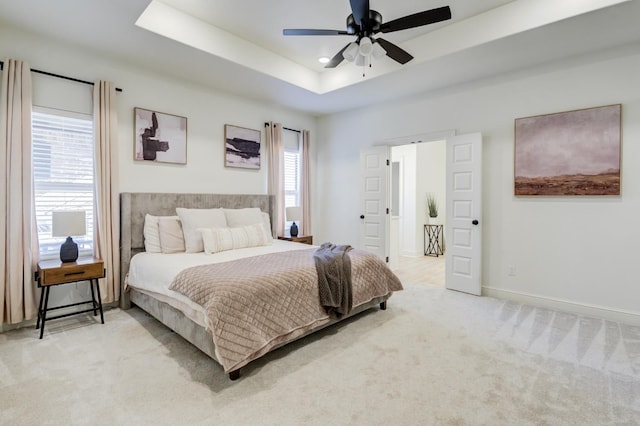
292 170
62 173
291 179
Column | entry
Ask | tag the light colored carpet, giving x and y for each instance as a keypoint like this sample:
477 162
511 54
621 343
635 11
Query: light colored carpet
434 357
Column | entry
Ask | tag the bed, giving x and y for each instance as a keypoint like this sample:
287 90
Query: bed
154 283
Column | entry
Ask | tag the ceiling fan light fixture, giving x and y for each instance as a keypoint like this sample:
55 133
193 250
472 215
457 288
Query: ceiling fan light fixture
351 52
360 60
366 47
324 59
378 51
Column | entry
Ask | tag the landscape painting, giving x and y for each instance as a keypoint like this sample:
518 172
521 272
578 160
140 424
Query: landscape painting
160 137
569 153
242 147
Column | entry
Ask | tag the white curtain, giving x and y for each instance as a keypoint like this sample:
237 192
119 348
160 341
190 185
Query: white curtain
275 148
19 256
107 208
306 186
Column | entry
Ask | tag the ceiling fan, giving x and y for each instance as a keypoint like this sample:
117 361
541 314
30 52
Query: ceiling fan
364 22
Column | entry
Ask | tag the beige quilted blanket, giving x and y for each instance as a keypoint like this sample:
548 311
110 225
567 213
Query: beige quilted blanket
257 303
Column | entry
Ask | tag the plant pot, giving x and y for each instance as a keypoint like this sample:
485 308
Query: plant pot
433 220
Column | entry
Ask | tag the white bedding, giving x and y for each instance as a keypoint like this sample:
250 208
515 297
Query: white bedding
152 273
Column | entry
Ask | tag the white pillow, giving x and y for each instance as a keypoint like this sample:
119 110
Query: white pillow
216 239
267 225
151 233
242 217
222 239
193 219
248 216
171 235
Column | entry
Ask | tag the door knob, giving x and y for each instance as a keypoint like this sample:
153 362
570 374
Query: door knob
474 222
361 216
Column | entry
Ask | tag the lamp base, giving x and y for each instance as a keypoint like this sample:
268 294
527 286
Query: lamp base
69 251
293 231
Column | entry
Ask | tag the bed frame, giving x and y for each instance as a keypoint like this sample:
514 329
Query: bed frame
134 206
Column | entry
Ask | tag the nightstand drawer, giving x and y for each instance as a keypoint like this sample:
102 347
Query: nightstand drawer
71 272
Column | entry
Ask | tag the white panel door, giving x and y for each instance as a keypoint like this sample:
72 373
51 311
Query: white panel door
374 216
463 228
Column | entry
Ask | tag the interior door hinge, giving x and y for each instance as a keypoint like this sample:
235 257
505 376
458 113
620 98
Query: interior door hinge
387 210
387 259
388 162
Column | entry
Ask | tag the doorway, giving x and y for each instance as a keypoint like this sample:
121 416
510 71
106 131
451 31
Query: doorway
418 171
463 205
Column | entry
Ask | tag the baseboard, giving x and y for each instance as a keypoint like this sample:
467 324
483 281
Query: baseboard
626 317
9 327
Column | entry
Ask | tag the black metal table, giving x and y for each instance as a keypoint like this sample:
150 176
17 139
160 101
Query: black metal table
433 240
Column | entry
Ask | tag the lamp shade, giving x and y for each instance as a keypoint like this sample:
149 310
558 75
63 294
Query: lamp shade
351 52
366 47
294 213
378 51
68 223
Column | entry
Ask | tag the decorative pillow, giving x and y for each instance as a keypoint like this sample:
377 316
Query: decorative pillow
216 239
248 216
222 239
152 234
171 236
193 219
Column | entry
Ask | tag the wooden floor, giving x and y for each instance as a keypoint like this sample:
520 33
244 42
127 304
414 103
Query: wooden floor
422 269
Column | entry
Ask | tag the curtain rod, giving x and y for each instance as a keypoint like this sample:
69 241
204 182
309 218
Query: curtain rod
59 76
286 128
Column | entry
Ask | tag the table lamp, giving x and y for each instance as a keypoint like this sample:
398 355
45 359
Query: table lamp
293 214
66 224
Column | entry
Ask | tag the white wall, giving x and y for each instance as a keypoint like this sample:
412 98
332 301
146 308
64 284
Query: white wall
407 223
207 112
576 252
430 177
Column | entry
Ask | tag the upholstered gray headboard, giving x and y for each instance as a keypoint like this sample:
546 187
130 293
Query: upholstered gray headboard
135 205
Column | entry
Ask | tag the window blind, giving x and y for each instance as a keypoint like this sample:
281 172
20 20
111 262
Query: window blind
63 173
291 178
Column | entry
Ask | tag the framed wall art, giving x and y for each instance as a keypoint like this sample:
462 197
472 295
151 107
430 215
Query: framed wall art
160 137
242 147
569 153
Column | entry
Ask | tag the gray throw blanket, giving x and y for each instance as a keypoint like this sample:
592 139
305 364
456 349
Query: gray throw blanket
334 278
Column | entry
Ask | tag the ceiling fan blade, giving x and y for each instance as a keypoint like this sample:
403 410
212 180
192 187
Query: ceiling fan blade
336 60
310 32
417 20
360 10
394 52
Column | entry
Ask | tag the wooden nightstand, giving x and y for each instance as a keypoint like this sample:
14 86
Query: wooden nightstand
305 239
54 272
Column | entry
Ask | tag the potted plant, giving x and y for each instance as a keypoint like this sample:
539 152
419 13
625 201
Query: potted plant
432 207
